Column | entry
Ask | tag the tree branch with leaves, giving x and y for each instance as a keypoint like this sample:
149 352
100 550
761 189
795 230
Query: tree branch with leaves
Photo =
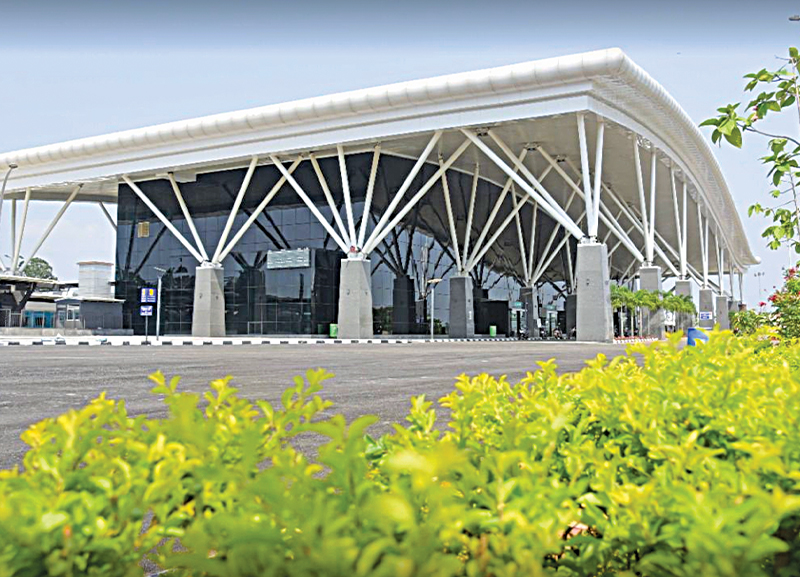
779 91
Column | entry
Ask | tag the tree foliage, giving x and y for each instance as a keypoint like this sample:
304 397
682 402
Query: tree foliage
39 268
778 91
623 297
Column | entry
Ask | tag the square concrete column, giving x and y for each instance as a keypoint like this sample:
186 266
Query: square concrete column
706 308
571 312
652 321
593 310
723 307
462 309
683 288
355 299
208 314
527 295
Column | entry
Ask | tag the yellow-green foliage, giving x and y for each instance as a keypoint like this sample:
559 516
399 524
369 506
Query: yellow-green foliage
665 462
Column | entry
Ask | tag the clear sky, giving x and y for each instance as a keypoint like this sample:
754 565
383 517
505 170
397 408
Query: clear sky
80 68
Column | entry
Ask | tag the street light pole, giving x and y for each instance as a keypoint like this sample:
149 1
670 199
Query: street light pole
758 276
433 282
161 273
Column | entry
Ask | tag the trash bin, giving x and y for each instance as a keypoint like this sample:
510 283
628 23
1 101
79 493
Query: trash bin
333 330
492 330
320 328
693 335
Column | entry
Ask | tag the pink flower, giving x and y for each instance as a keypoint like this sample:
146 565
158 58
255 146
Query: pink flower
762 304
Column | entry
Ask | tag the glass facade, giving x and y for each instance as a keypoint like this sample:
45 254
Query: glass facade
264 294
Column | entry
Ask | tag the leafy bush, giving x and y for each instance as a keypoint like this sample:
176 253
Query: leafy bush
748 322
786 302
664 462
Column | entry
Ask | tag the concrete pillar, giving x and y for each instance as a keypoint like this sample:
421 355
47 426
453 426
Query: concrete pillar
683 288
208 314
355 299
527 295
462 309
403 305
706 308
652 321
722 306
593 310
570 312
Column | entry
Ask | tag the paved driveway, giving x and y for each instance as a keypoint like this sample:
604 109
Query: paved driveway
40 382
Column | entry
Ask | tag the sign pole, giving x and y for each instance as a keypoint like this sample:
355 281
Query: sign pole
145 329
158 310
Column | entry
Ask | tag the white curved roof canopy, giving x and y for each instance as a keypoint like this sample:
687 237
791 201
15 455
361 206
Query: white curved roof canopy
532 102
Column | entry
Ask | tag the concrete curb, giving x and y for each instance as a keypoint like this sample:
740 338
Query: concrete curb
181 342
626 340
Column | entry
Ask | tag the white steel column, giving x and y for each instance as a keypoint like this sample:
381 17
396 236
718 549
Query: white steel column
186 215
703 234
368 201
640 186
348 204
372 240
165 221
651 228
55 220
496 208
542 266
678 228
522 252
587 183
531 246
540 194
605 215
496 235
20 236
13 230
329 198
380 233
235 210
310 204
108 215
685 231
468 230
450 220
598 175
259 209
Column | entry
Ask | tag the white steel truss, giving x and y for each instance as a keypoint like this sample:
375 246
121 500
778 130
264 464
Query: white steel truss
108 215
235 210
164 220
18 238
177 191
54 222
537 191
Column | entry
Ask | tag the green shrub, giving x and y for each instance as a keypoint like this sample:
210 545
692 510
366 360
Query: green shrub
748 322
664 462
786 302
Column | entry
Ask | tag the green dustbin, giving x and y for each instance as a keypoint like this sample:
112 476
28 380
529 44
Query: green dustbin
333 330
492 330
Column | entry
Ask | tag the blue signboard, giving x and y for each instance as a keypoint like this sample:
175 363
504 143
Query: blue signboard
146 310
148 295
706 316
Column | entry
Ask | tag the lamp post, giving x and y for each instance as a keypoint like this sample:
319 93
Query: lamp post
161 272
758 276
432 283
11 166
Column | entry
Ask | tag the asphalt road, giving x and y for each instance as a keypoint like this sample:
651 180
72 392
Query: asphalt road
41 382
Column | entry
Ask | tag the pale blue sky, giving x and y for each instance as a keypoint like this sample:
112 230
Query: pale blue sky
72 69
